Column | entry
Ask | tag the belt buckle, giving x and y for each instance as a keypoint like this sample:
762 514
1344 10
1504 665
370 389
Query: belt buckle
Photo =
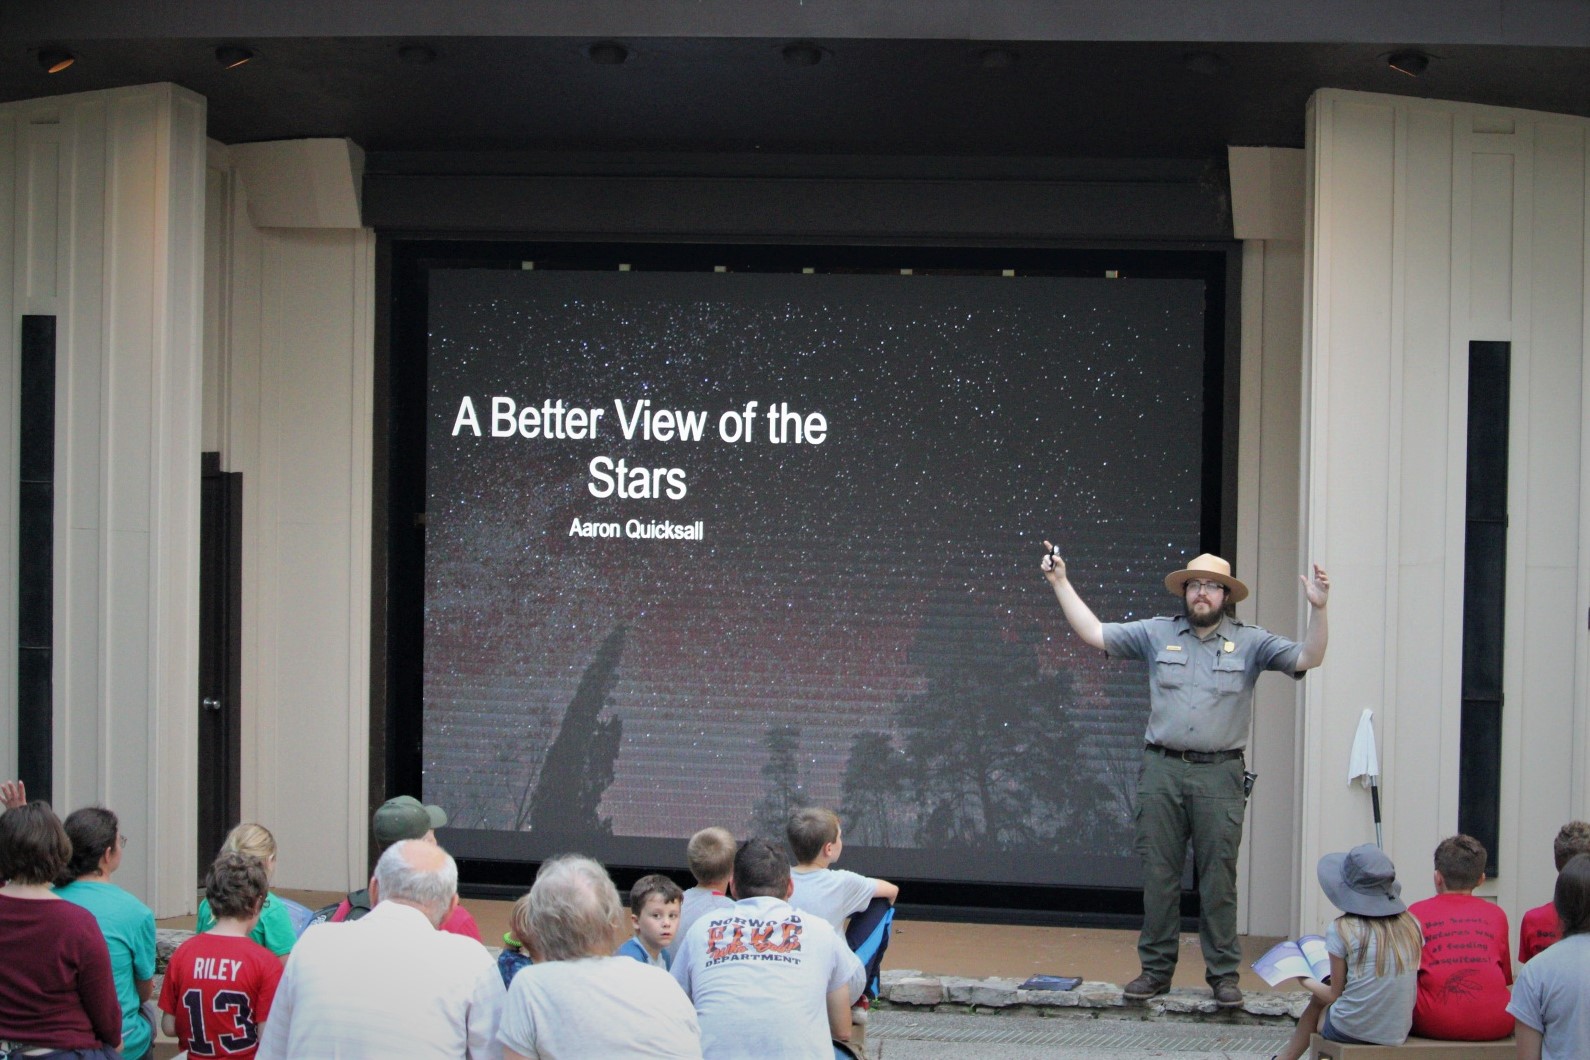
1184 752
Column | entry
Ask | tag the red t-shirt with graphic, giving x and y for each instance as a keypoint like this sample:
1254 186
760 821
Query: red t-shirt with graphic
1539 929
219 988
1465 970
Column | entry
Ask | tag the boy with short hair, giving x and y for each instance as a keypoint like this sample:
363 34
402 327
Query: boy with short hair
219 985
1465 968
654 910
1540 927
817 839
710 854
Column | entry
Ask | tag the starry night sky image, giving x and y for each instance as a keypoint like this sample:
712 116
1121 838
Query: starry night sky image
863 624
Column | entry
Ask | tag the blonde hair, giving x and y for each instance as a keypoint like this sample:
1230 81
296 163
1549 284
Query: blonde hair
710 854
252 840
519 922
1398 941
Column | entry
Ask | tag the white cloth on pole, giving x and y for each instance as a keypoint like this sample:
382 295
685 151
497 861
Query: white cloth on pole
1364 763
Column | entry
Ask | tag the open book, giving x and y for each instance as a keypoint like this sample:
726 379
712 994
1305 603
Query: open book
1292 960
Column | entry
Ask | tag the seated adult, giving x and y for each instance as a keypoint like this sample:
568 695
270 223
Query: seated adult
390 984
56 987
1465 968
578 999
395 820
767 980
127 924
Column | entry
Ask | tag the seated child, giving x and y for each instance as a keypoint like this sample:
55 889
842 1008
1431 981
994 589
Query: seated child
710 854
1552 996
515 951
1465 969
274 928
1374 947
816 839
1539 927
219 985
654 909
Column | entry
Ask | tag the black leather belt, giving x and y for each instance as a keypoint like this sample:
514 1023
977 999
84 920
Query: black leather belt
1202 758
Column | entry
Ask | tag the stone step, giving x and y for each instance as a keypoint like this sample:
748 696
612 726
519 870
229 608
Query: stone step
909 988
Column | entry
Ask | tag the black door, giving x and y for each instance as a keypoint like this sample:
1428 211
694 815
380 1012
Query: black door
220 644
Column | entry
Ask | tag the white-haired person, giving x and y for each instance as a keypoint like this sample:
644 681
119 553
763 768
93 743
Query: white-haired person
580 1000
390 983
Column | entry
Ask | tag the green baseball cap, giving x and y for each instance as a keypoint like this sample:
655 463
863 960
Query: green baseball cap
404 817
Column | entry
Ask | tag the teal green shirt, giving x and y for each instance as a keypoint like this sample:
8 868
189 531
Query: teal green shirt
274 929
129 929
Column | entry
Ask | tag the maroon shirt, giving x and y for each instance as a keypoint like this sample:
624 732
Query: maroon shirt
56 987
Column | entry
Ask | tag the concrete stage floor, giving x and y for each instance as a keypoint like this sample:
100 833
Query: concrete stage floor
942 948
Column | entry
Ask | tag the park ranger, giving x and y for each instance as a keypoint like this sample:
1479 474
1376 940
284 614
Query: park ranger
1202 667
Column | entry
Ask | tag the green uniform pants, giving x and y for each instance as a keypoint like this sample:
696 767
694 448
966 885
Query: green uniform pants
1179 801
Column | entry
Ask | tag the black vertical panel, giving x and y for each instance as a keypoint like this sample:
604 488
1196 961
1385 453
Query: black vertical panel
219 693
36 555
1484 595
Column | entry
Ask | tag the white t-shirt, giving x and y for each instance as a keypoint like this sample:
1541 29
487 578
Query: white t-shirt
760 974
388 984
598 1007
1552 996
698 902
833 894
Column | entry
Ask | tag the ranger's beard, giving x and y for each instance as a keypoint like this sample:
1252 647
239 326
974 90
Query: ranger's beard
1203 623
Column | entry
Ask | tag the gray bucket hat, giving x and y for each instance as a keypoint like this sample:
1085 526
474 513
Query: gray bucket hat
1362 881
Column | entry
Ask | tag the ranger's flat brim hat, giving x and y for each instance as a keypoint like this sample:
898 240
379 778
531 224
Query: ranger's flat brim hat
1207 567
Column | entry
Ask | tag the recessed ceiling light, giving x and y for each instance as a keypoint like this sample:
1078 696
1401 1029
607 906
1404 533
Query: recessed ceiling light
54 60
607 53
1205 64
996 58
803 53
1410 62
231 56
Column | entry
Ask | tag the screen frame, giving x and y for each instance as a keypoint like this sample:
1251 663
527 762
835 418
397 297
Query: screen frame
404 264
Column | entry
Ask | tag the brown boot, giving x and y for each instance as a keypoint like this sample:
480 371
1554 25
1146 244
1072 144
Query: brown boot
1144 987
1227 993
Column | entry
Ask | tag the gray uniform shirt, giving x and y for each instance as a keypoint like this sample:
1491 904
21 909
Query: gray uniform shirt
1200 692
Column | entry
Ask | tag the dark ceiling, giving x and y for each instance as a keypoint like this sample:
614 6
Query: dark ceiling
925 81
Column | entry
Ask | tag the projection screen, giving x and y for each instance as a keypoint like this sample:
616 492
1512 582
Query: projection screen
700 547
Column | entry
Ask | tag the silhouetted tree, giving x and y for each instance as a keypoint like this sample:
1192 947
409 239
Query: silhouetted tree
876 797
993 757
579 765
782 791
